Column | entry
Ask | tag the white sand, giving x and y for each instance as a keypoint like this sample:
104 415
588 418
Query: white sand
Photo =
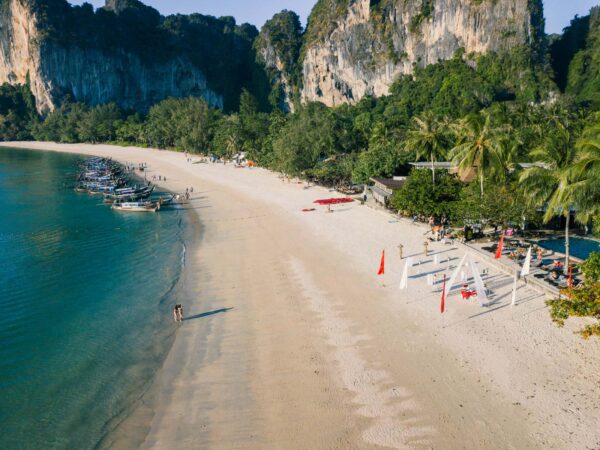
318 352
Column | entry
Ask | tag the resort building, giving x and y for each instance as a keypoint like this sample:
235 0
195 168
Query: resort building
452 168
383 188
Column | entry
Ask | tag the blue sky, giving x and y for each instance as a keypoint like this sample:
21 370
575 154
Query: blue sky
558 12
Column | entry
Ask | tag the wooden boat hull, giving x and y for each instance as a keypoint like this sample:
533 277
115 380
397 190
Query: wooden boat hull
135 208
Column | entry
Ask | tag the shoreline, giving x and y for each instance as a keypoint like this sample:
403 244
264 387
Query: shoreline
316 352
133 426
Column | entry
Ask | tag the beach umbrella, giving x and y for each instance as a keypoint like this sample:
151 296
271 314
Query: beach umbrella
527 264
500 244
404 279
443 303
382 264
333 201
514 289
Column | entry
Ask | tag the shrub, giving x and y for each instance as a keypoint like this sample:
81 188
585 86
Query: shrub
591 268
584 302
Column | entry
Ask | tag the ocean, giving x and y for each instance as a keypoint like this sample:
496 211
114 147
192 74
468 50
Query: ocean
85 304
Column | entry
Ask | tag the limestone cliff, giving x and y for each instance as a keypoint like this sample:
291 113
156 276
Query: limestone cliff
355 48
278 48
62 50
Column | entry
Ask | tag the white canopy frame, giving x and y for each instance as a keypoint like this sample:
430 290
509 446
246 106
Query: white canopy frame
468 262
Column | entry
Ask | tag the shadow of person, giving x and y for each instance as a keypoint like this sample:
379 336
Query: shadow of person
208 313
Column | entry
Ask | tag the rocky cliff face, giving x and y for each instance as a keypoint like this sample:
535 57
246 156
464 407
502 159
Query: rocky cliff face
278 49
372 42
279 75
91 75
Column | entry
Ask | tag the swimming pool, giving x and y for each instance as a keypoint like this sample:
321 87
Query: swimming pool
580 247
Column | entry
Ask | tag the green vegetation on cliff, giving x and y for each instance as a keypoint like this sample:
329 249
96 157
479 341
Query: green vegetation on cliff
219 47
323 19
584 70
278 50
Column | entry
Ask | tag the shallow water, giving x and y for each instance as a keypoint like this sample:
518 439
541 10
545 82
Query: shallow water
85 299
579 247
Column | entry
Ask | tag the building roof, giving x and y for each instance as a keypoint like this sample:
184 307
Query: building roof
534 164
436 165
390 183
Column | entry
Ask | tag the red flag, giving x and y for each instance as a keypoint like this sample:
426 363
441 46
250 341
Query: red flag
500 244
443 304
382 264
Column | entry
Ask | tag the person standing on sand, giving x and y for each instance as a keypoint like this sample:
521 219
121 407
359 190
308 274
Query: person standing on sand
178 313
400 248
425 245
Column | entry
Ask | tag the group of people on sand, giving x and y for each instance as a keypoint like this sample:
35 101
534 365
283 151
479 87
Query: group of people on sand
178 313
160 178
437 228
186 196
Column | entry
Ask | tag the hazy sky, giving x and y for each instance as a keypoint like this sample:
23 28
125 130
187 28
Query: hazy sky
558 12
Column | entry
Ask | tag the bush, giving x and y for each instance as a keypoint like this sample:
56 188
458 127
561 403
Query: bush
591 268
584 302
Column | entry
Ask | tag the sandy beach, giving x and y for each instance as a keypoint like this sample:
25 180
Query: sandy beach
292 340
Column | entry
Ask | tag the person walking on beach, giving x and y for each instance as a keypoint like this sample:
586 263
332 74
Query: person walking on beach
425 245
400 248
178 313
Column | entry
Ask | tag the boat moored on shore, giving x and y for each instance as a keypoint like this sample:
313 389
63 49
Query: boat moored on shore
146 206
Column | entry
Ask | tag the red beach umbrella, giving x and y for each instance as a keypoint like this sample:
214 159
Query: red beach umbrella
333 201
500 244
443 303
382 264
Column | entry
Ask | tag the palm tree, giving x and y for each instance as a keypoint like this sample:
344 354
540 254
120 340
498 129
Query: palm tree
479 146
428 138
509 152
553 180
232 144
587 168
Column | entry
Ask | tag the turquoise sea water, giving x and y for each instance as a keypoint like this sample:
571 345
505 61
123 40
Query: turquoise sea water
85 299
